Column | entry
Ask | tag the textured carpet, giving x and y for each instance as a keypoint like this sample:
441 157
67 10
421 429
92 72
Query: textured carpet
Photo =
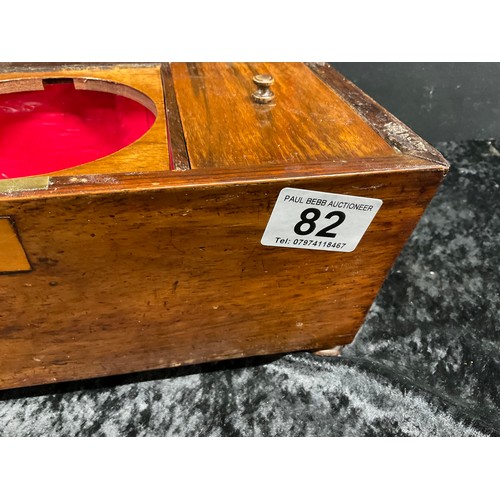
426 362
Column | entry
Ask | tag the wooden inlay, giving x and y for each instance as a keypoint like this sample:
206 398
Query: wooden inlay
307 123
12 255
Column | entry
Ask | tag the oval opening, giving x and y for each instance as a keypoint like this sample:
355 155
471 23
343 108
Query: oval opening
66 123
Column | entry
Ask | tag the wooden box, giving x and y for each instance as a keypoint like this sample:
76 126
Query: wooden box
153 256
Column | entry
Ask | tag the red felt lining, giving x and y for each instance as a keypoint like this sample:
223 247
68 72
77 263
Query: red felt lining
60 127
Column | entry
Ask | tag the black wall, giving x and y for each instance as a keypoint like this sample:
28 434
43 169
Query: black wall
439 101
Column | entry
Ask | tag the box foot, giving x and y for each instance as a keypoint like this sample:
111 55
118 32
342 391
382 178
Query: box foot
334 351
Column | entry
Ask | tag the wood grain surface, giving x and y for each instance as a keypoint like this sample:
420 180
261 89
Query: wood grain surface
179 158
133 281
308 123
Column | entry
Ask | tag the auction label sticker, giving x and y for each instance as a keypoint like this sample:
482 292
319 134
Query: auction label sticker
319 221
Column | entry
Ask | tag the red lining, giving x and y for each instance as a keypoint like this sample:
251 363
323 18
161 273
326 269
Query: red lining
60 127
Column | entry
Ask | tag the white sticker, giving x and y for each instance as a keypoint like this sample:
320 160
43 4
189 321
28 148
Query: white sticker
319 221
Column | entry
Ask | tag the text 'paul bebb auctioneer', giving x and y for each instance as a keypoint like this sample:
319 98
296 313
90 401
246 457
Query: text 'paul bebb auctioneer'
319 221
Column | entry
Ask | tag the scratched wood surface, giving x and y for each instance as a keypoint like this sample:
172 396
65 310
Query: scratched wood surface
392 130
225 128
142 83
12 255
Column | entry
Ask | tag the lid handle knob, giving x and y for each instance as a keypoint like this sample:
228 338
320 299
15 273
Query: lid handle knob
263 94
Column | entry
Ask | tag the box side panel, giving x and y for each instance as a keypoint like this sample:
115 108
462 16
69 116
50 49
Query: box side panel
137 281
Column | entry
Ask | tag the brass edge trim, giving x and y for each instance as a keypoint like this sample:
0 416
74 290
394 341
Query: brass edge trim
39 182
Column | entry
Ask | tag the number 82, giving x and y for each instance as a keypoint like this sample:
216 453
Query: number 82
309 217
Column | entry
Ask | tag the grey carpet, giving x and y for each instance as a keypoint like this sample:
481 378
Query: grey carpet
426 362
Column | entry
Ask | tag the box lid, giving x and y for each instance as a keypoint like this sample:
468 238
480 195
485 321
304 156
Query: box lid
306 123
209 130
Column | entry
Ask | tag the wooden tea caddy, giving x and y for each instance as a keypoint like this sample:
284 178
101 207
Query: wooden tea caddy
152 257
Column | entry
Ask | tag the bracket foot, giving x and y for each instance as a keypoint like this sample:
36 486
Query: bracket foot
332 352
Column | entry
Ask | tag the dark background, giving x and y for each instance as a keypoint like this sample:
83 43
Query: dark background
439 101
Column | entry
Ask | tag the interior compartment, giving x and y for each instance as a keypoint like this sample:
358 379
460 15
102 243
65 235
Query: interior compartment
51 124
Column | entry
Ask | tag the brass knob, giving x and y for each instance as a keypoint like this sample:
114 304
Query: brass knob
263 94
